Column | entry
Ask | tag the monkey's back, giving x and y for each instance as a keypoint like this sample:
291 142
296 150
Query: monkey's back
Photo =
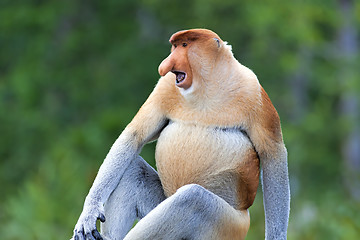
223 160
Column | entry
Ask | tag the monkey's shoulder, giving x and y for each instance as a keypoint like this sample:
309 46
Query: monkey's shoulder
241 105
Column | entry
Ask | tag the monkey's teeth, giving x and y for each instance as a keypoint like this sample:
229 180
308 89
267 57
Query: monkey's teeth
180 77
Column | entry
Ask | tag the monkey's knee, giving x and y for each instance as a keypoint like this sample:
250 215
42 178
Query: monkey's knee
197 200
214 213
190 188
191 193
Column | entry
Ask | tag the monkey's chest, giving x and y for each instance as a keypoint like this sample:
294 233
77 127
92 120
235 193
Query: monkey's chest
208 156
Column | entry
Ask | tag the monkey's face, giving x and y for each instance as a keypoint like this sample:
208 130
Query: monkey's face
192 54
177 62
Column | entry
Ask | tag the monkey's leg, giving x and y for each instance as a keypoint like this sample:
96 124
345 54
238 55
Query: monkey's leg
139 191
192 213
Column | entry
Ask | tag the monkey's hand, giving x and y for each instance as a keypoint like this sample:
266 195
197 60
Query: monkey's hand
85 228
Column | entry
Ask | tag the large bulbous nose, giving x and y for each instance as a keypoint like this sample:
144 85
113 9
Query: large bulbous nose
166 65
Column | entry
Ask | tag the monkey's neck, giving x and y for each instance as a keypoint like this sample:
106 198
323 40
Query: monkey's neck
224 83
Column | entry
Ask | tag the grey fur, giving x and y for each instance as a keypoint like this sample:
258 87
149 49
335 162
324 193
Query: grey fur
138 192
192 209
276 191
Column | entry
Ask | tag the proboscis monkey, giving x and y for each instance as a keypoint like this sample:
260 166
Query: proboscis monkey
214 124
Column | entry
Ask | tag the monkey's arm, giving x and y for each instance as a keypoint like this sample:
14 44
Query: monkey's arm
276 194
267 138
146 125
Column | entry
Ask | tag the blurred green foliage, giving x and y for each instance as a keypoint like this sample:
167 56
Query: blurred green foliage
73 73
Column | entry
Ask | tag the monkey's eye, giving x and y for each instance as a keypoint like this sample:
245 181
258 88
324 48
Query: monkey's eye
175 45
184 44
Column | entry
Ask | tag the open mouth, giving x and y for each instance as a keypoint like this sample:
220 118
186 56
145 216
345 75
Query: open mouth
180 76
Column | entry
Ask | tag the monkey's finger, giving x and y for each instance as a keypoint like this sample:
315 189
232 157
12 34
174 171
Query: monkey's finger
102 217
79 235
97 235
89 236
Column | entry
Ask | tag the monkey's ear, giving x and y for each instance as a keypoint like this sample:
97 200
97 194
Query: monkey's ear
217 41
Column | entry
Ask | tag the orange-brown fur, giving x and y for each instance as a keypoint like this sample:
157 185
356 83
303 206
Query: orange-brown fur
225 95
235 225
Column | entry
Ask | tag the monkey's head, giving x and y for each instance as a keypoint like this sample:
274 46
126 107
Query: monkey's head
193 55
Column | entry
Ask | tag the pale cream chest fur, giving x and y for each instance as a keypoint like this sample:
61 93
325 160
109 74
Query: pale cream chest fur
215 158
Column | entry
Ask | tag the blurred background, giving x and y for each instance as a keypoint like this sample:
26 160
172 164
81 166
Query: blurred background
73 73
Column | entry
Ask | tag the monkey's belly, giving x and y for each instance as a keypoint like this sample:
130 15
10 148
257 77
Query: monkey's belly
221 160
